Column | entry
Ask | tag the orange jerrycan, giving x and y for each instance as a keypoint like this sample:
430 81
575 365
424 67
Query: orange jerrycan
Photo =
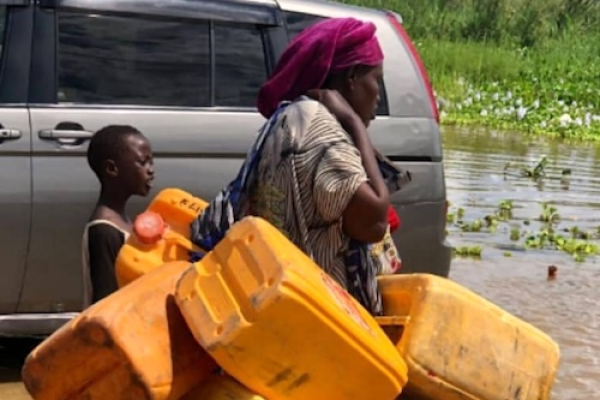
460 346
133 344
278 324
221 388
160 234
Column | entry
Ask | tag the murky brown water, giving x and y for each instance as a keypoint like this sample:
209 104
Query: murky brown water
567 308
12 354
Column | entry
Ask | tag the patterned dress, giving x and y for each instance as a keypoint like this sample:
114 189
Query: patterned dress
308 171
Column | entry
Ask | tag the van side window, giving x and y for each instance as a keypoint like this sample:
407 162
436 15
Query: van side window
2 30
132 61
241 66
297 22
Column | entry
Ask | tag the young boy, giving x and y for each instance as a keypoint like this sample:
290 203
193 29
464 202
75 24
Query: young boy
121 158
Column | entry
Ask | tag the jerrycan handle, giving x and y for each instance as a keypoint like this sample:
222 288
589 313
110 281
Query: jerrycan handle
179 241
392 320
393 326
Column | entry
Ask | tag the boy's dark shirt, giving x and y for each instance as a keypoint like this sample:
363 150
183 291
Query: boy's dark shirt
104 242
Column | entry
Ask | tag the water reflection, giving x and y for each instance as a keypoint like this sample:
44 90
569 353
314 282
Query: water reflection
567 307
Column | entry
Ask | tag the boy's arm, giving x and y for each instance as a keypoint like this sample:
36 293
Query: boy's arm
104 243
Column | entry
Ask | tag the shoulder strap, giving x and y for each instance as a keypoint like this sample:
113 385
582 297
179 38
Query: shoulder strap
97 222
298 208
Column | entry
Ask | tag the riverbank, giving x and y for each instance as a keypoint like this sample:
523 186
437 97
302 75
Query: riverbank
531 66
551 90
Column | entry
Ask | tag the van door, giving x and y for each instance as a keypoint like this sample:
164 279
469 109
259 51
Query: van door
188 84
15 152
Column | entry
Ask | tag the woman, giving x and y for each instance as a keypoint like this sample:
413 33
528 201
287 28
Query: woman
313 172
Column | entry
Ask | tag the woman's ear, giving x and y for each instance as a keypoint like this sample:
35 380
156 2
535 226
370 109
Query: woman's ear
111 169
351 75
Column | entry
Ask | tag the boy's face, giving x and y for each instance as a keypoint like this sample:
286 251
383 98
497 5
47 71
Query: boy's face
135 166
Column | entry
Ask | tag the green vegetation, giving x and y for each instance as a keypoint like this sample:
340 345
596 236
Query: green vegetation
468 251
548 231
579 244
527 65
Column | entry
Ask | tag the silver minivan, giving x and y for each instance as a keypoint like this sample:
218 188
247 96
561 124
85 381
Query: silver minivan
186 73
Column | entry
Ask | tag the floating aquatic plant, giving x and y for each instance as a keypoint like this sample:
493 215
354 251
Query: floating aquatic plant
468 251
505 208
549 214
515 234
575 242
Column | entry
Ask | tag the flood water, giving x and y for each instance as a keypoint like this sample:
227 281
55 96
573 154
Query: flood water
567 308
12 354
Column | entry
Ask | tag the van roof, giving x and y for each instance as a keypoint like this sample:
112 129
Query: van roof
252 11
325 7
249 11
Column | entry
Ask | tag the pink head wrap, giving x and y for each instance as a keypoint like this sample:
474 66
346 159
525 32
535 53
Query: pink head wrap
327 47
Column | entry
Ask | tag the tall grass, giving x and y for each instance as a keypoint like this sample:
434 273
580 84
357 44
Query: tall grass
524 23
502 39
522 52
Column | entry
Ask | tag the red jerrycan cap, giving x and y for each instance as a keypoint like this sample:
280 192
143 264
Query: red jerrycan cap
149 227
393 219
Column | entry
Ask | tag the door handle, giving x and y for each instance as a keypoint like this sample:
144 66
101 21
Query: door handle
57 134
9 134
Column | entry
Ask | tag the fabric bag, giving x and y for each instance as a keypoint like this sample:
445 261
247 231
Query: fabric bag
386 256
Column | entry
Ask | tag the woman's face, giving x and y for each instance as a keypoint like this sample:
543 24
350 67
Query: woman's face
363 91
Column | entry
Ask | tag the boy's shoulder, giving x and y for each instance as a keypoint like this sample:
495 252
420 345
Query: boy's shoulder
102 214
106 225
103 228
102 234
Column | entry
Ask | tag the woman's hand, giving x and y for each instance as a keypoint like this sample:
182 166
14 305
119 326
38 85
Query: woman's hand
366 216
338 106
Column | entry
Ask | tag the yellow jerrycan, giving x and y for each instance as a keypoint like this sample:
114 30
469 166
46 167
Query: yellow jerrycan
460 346
161 234
133 344
281 326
